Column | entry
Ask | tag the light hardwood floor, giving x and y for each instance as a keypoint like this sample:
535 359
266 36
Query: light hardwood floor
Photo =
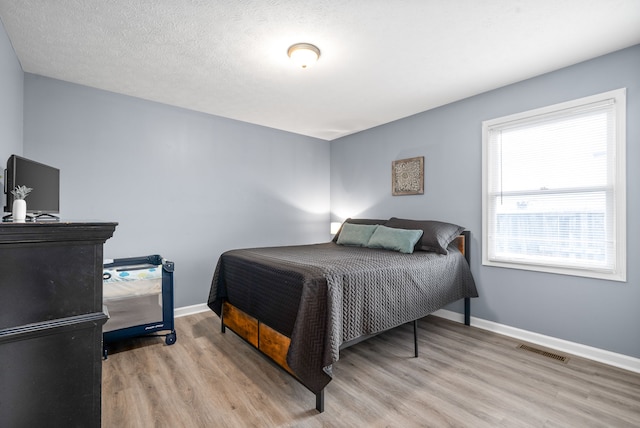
464 377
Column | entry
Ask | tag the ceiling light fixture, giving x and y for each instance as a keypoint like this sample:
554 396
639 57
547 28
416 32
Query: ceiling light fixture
303 54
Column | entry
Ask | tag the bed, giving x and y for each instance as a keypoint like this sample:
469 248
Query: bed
300 305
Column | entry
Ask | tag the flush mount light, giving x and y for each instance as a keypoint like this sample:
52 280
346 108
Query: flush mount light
303 54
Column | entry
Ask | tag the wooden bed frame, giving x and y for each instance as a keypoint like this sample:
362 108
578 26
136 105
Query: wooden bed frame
275 345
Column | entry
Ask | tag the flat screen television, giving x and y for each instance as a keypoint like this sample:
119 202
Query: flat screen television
44 199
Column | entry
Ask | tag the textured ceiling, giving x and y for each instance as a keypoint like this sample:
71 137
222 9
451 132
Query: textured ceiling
381 60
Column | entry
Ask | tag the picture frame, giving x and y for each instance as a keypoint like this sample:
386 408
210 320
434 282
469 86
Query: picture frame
407 176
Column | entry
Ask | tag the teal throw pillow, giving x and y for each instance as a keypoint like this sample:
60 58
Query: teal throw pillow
356 234
388 238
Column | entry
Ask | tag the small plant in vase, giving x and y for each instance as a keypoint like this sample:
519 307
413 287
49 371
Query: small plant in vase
21 192
19 203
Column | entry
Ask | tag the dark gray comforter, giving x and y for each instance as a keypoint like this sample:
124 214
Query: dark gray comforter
324 295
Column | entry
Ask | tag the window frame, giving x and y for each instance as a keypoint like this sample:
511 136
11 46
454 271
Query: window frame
619 271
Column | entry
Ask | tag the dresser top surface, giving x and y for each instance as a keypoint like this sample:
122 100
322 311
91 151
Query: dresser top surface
50 231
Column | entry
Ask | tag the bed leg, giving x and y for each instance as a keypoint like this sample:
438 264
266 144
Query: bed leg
467 311
223 328
320 401
415 337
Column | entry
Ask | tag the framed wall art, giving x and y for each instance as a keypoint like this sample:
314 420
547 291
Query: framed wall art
407 176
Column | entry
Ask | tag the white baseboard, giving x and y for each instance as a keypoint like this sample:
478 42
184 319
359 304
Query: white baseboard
190 310
600 355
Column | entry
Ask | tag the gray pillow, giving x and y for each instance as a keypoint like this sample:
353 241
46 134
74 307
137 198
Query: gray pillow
402 240
356 234
436 237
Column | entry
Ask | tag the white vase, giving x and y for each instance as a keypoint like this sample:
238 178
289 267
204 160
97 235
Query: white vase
19 210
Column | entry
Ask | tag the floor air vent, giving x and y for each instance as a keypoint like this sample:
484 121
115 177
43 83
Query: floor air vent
544 353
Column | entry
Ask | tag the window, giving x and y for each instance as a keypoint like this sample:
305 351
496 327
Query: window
554 188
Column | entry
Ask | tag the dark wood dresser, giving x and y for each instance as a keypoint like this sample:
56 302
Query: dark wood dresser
51 321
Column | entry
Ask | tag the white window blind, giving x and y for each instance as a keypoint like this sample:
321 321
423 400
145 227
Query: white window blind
554 188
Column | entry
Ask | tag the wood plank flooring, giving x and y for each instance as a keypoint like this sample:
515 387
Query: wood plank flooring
464 377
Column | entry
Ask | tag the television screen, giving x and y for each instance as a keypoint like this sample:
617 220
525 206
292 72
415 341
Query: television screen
43 179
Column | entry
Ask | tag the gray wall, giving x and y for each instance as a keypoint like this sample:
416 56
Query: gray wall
182 184
11 103
596 313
